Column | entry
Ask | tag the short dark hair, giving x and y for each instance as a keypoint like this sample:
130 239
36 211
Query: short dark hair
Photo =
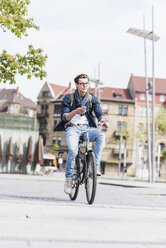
80 76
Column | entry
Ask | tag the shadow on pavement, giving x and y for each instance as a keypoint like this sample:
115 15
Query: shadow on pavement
122 185
33 198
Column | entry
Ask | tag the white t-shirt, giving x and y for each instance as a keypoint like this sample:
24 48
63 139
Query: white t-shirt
79 119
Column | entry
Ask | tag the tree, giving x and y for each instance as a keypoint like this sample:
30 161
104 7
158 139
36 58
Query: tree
161 122
123 137
13 17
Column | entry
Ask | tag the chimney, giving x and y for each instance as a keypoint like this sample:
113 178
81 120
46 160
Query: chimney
17 91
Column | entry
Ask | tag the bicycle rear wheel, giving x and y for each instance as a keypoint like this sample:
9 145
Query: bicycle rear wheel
75 182
91 179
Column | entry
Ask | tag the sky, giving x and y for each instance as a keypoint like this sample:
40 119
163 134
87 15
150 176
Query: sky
79 35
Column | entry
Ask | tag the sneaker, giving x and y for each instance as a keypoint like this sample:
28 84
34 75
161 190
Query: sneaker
98 171
68 186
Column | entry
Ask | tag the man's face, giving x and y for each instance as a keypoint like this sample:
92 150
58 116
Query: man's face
82 86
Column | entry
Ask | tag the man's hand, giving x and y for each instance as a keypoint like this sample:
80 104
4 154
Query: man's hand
105 122
80 111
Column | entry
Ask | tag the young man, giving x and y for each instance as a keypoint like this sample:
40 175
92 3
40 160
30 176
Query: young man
80 113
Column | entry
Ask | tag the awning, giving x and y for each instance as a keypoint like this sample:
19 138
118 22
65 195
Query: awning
49 156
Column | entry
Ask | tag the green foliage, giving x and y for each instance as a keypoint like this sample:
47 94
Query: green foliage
13 15
163 155
142 135
126 133
55 147
30 64
161 122
130 175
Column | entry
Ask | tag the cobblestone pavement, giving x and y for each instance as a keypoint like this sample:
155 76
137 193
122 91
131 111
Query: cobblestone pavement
35 212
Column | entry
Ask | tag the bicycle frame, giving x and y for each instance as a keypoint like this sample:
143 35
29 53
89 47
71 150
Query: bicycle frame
84 171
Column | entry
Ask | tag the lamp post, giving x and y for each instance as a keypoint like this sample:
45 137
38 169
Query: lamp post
153 37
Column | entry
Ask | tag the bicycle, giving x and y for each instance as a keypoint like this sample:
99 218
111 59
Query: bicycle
86 173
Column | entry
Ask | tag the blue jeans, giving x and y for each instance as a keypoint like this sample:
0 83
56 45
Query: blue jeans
72 135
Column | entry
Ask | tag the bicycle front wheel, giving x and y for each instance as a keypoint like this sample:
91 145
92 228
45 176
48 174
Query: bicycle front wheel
91 178
75 182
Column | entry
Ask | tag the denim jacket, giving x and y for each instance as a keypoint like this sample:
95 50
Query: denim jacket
66 108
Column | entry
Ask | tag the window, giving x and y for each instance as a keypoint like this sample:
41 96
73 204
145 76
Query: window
121 125
140 127
142 111
59 141
162 98
30 112
120 110
150 97
124 124
142 96
54 140
44 139
125 109
57 109
43 124
162 146
46 94
44 109
55 123
118 96
105 108
146 145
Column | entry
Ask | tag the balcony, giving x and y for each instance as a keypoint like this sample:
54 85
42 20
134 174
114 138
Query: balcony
43 131
42 115
57 115
117 134
115 150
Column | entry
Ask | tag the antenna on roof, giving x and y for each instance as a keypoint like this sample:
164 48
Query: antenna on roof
97 82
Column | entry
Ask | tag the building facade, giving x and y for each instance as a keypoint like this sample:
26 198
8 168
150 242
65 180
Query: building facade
125 110
137 90
17 122
117 106
14 103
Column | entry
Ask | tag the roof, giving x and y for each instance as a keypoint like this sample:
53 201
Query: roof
139 84
61 91
106 93
57 88
14 96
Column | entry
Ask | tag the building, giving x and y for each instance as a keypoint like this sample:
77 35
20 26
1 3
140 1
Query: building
117 105
17 121
13 102
125 110
136 88
48 113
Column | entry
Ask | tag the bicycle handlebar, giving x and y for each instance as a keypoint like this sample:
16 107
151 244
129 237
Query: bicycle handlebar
90 129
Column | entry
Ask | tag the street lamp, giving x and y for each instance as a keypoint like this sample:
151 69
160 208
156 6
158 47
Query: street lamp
153 37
